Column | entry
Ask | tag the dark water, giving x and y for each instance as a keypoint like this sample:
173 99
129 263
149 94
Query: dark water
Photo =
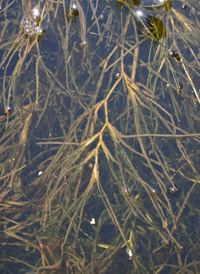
135 85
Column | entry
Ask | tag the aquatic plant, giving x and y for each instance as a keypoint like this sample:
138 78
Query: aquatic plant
99 157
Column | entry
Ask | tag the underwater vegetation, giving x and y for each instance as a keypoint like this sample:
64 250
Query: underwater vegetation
99 136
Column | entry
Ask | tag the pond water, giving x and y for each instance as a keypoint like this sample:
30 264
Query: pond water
99 136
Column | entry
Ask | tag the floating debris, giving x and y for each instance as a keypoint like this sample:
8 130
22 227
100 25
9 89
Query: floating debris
83 44
180 89
173 190
73 11
174 54
32 24
93 222
129 252
117 75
